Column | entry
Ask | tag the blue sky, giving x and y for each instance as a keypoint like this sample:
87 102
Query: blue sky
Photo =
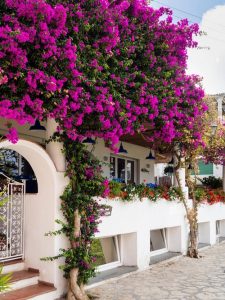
195 7
209 61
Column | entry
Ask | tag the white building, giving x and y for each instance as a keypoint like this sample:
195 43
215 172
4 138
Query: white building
133 235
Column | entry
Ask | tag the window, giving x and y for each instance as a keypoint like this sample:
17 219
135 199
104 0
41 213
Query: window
107 253
217 228
158 242
123 169
205 169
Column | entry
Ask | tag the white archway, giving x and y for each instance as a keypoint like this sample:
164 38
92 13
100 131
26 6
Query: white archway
41 210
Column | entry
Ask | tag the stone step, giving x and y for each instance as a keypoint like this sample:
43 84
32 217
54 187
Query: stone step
24 278
12 266
38 291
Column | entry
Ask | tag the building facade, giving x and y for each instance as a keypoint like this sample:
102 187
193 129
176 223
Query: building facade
134 234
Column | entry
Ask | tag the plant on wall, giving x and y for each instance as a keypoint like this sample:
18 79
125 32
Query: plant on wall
81 213
168 170
101 69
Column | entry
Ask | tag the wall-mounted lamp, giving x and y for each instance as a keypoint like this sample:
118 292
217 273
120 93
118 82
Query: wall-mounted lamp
121 149
89 141
37 126
150 156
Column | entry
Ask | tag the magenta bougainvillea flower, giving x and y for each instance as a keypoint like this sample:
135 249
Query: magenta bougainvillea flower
100 68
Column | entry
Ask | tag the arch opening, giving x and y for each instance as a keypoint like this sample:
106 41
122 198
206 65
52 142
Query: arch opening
40 209
16 167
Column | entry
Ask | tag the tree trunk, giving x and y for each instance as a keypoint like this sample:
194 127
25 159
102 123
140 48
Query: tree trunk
76 291
192 216
224 178
193 233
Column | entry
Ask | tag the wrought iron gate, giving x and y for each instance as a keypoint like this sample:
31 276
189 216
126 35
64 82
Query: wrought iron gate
11 218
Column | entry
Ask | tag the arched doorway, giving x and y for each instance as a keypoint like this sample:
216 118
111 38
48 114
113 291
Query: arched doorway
17 178
41 209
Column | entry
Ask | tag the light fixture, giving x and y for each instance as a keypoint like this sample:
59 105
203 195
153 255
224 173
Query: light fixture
121 149
37 126
150 156
89 140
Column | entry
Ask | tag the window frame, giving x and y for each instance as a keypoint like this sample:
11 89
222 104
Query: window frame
218 228
113 264
126 159
162 250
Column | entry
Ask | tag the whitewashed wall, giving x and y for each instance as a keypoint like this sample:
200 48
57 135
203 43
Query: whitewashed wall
134 220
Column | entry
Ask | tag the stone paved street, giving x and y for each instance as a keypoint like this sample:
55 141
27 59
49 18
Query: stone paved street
184 279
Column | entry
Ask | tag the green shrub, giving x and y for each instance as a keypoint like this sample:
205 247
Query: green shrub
168 170
212 182
4 281
115 188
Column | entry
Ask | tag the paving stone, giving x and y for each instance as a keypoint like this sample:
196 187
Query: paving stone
186 279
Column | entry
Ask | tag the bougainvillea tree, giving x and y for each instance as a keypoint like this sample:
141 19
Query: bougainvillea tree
215 150
210 148
124 62
101 69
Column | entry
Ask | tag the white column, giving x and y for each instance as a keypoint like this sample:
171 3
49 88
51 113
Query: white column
184 188
224 178
181 173
54 149
143 248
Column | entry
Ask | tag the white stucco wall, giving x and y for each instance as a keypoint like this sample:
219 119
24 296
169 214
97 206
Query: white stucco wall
137 219
133 221
218 171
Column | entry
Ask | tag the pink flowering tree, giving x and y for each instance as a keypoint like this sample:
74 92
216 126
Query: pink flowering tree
214 152
124 62
101 69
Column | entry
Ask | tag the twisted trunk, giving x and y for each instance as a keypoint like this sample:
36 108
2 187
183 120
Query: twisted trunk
76 291
193 233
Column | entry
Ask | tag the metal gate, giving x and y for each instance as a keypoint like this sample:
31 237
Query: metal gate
11 218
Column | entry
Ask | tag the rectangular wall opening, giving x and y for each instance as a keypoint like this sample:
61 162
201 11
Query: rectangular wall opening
203 234
165 244
158 241
220 231
107 252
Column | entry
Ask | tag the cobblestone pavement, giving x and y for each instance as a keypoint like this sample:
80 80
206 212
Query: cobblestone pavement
184 279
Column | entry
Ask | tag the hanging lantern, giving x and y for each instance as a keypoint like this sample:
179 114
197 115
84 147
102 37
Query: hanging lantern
121 149
37 126
150 156
89 141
